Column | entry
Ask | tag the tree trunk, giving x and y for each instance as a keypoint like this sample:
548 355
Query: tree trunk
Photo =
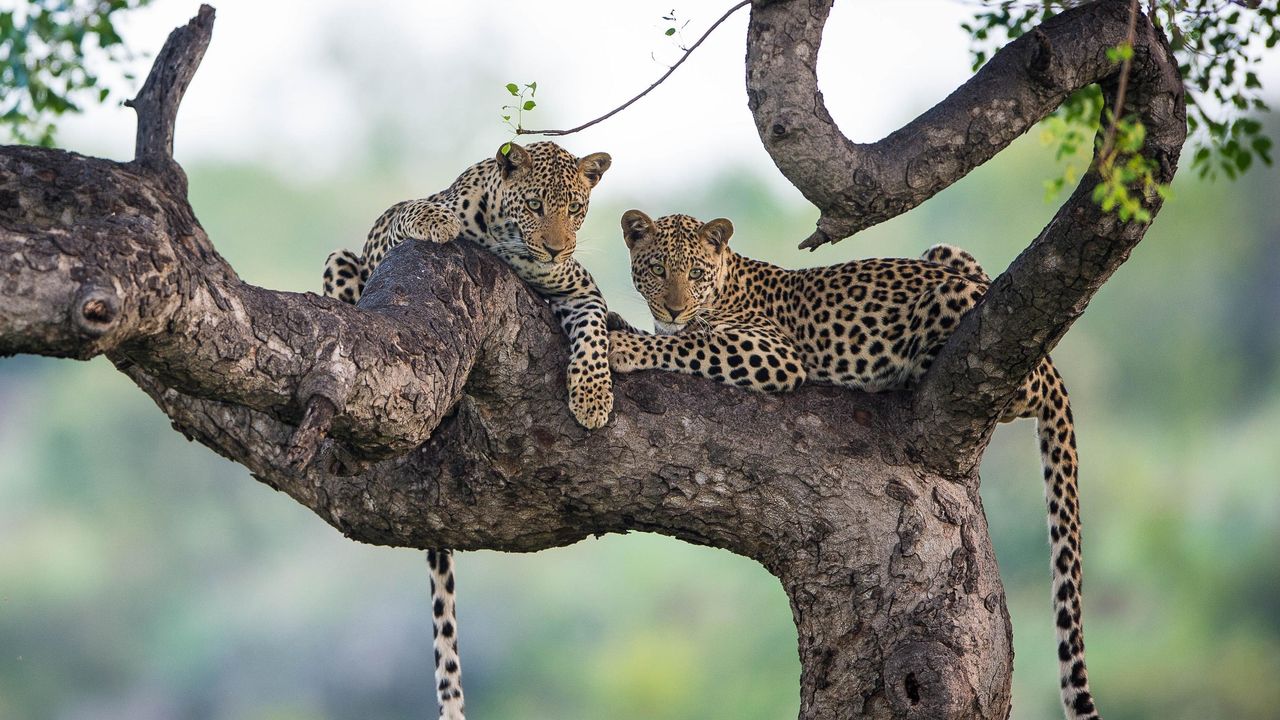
434 414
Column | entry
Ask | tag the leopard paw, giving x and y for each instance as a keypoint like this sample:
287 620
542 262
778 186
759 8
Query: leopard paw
442 230
591 402
423 220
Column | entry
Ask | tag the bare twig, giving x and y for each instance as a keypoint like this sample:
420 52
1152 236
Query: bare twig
1108 144
157 102
629 103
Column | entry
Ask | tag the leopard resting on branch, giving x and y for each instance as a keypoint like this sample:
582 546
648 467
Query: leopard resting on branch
871 325
525 205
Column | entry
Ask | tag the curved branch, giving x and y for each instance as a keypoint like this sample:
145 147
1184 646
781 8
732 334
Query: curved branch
856 186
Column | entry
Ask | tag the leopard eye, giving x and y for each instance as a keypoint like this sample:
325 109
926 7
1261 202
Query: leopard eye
574 207
533 204
696 274
658 270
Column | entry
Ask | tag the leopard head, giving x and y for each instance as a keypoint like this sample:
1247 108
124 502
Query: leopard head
678 263
543 192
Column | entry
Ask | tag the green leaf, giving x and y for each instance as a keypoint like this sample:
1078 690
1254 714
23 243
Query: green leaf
1120 53
529 105
670 32
513 88
1262 146
506 148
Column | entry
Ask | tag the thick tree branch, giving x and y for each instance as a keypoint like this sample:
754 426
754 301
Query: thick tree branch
1029 307
449 347
164 301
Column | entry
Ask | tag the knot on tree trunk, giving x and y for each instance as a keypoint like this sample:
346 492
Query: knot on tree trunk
926 680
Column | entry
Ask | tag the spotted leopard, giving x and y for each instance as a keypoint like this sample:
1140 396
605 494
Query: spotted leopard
525 206
872 325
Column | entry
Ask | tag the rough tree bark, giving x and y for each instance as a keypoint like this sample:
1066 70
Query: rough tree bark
435 415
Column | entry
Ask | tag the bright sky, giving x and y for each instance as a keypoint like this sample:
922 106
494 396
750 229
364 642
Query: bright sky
292 81
306 84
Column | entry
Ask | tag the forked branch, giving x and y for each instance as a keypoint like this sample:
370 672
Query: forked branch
858 185
1031 305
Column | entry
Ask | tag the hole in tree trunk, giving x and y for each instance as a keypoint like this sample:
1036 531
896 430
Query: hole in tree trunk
912 686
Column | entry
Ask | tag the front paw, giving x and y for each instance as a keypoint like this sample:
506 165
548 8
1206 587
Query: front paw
591 401
443 231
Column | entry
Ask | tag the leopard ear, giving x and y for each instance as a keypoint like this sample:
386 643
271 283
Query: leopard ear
717 232
636 227
593 166
514 160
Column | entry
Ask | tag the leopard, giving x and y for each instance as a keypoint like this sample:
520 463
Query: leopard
872 325
525 205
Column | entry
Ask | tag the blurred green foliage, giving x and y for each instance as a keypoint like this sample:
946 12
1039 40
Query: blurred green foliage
1218 45
143 577
51 54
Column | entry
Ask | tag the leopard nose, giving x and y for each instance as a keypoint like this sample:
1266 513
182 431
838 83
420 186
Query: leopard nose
561 255
674 312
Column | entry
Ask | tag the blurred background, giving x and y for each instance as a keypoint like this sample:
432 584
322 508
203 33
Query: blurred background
143 577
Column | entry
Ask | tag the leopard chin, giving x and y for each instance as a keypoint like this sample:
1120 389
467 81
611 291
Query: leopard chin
666 328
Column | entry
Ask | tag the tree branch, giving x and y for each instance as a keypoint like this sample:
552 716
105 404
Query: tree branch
856 186
171 73
180 313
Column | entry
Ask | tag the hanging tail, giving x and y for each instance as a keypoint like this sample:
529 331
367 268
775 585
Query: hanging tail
445 633
1058 455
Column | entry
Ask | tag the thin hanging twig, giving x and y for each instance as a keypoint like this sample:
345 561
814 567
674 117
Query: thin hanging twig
627 104
1108 142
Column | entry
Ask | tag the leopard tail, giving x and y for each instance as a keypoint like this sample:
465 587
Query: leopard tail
444 632
1056 431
